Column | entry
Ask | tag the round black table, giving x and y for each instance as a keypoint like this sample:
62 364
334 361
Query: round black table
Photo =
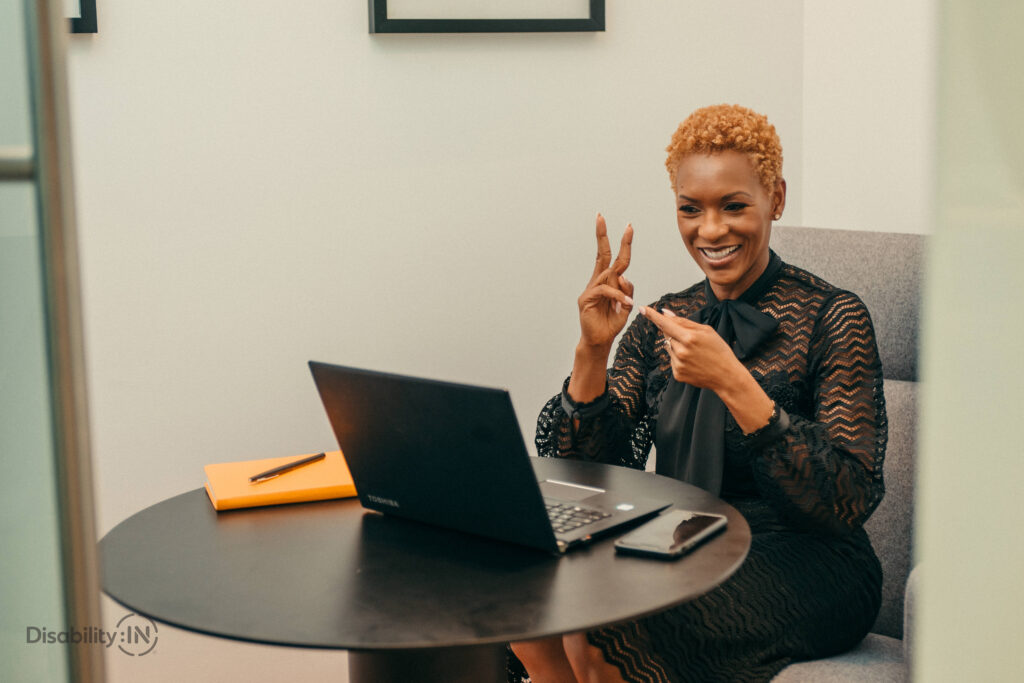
400 596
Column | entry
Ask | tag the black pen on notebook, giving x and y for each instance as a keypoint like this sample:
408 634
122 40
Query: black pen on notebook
271 473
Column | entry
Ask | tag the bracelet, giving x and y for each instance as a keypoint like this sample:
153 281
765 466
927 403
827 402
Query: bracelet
777 425
580 411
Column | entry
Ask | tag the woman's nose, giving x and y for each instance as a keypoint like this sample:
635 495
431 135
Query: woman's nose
712 227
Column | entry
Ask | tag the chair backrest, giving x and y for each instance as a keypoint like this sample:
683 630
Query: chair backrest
885 270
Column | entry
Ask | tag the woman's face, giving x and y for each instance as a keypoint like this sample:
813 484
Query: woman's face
725 218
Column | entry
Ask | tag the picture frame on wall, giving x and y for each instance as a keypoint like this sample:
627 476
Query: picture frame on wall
81 15
493 16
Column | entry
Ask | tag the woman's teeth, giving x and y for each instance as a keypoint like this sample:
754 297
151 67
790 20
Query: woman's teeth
715 254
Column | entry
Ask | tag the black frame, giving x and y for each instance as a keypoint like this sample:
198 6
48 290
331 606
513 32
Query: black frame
87 22
379 23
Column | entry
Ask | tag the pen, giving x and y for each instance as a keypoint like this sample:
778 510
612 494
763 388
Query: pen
271 473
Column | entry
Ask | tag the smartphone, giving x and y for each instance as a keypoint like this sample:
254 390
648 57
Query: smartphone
671 534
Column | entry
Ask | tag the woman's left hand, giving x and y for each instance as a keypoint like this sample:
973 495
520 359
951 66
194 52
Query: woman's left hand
699 355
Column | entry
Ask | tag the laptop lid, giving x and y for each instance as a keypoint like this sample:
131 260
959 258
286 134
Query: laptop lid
436 452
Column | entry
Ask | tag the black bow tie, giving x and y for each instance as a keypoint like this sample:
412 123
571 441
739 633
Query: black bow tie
738 323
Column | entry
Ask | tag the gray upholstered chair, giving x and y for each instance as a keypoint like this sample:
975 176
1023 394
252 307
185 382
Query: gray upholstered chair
885 270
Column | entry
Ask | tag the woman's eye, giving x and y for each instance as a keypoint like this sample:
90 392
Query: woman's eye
735 206
689 208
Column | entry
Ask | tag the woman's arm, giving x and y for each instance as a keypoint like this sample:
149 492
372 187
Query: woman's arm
596 413
825 473
614 427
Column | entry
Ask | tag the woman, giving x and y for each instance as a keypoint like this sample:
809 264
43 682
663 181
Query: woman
761 384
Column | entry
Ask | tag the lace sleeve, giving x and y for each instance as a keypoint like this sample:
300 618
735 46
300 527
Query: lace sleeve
826 473
620 434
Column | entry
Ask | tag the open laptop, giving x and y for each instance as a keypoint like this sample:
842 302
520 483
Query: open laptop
452 455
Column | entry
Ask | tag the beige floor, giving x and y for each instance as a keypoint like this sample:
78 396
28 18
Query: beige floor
180 655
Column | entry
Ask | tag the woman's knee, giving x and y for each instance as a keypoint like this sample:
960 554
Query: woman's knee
534 649
544 659
587 661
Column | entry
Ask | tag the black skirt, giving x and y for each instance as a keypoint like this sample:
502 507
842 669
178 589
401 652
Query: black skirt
797 596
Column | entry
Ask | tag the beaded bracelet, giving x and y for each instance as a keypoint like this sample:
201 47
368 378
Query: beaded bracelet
777 425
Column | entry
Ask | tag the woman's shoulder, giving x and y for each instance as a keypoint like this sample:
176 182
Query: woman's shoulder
795 276
797 287
795 282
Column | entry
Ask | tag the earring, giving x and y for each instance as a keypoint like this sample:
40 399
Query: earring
778 216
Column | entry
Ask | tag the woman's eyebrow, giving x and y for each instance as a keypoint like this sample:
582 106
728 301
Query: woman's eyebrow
726 197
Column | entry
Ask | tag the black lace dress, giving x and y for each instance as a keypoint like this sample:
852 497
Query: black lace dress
810 586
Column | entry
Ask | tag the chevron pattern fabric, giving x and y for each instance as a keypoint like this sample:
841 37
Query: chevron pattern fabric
810 587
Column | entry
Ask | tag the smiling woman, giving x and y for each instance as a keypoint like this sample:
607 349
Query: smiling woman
761 384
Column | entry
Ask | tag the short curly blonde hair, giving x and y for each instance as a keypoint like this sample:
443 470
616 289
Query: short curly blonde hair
728 126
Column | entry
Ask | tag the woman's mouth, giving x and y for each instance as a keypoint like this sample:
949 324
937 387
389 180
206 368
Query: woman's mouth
719 254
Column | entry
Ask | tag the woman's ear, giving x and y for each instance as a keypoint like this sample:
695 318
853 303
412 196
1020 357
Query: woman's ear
779 199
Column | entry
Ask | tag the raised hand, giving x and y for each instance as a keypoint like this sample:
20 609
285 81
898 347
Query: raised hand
607 300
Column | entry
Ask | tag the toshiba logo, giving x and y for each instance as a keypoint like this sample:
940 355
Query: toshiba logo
390 502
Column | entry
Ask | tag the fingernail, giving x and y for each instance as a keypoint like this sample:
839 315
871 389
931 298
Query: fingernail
668 313
618 307
629 301
643 310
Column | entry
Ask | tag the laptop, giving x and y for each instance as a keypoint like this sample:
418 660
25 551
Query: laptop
452 455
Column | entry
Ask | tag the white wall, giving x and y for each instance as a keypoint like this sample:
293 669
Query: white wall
260 184
868 115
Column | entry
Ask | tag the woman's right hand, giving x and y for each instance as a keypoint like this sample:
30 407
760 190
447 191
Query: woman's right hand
606 302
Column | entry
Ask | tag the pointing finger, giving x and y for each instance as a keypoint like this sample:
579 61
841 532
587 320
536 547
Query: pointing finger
683 322
659 319
666 321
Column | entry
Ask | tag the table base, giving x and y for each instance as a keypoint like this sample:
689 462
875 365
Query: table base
476 664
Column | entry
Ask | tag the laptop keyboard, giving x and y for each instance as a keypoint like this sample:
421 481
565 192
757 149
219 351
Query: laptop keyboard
566 517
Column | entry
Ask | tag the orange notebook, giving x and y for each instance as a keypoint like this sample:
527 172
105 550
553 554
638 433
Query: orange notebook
229 488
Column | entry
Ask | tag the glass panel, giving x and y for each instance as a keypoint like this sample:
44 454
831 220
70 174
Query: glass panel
971 598
31 592
15 113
